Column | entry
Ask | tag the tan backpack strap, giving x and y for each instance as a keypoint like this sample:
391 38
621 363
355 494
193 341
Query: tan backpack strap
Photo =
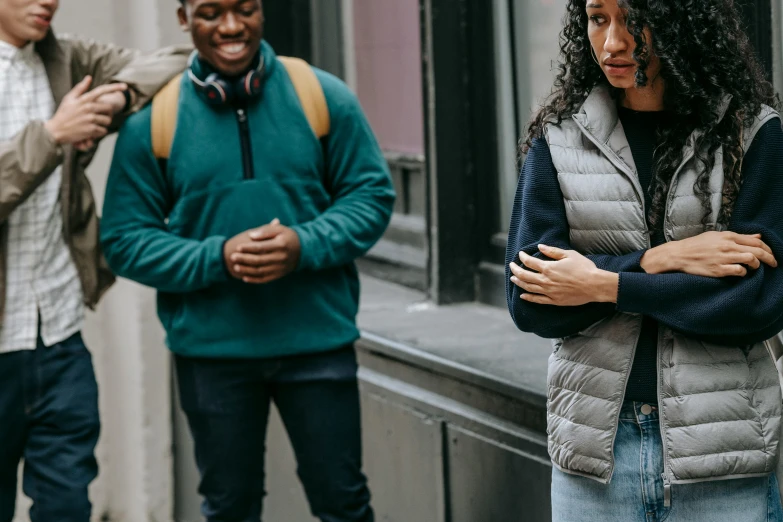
311 94
165 106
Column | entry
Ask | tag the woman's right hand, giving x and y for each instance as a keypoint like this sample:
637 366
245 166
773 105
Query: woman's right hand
711 254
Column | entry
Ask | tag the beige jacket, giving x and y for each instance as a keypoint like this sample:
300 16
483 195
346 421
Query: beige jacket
31 156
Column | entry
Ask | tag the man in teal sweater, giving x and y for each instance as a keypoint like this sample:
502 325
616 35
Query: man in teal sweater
249 233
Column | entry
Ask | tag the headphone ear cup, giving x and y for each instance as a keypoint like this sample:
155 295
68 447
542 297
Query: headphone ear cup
252 84
217 91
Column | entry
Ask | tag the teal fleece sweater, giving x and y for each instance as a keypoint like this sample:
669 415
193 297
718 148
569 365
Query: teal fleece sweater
167 229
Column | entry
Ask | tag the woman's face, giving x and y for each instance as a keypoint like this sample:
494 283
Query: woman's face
614 45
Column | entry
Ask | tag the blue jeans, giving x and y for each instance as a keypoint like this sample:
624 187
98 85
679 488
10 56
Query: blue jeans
49 417
227 405
636 490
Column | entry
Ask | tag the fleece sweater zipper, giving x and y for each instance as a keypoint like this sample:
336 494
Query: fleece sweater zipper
244 139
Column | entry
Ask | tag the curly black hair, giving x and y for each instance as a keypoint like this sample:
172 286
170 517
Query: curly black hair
705 56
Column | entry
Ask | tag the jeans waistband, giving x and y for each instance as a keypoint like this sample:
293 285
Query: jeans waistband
638 412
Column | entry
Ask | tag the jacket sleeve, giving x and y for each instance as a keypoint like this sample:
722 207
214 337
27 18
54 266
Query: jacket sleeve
145 73
26 160
134 234
100 60
539 217
729 310
148 73
360 186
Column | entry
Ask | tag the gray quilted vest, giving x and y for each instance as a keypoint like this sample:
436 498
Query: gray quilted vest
720 406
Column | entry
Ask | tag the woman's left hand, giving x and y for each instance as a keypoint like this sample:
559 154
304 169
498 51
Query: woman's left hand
570 279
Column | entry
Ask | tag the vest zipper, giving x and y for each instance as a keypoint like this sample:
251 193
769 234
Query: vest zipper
688 156
667 487
620 165
667 492
244 139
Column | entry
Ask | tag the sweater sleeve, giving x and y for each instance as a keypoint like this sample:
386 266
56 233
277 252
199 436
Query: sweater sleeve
134 234
360 184
730 310
539 217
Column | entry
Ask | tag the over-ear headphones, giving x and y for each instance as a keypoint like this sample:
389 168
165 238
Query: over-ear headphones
218 91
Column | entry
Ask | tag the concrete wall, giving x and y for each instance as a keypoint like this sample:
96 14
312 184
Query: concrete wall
132 365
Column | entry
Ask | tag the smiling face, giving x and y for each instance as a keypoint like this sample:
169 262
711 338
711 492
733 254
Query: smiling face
226 33
614 45
24 21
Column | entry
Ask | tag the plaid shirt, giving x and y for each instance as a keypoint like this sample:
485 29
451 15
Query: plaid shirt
43 285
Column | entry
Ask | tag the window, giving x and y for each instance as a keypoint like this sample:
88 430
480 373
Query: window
527 49
376 48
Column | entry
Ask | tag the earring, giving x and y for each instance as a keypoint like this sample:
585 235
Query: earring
595 58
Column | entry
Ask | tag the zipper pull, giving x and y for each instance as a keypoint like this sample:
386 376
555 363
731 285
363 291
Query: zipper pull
667 493
241 115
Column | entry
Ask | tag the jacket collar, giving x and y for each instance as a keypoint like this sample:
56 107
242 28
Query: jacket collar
598 113
57 68
49 48
599 118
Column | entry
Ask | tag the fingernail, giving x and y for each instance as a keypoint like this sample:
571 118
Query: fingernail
236 268
234 257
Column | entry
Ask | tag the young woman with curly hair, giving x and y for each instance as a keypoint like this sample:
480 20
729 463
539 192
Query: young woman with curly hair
644 241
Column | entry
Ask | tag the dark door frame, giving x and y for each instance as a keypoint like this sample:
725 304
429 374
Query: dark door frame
289 27
461 141
758 19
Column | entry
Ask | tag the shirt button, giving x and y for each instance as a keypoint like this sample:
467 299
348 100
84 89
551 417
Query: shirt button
646 409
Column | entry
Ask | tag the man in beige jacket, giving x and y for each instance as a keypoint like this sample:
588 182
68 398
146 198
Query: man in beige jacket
51 265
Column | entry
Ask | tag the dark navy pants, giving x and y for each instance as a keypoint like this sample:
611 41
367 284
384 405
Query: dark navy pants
49 417
227 404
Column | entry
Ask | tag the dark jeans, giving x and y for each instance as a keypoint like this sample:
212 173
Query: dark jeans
49 417
227 405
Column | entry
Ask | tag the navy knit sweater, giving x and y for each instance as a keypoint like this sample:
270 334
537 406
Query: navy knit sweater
733 311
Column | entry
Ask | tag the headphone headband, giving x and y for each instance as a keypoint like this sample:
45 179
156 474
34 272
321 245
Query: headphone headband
219 91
